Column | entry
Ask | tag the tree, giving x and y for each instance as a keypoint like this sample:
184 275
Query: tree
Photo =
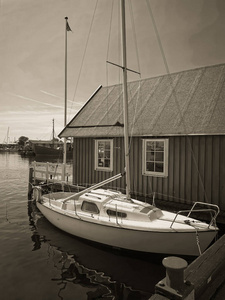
22 140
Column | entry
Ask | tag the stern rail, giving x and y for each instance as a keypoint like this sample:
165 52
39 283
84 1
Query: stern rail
214 212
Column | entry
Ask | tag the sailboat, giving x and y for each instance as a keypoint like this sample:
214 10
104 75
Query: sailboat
115 219
52 147
8 146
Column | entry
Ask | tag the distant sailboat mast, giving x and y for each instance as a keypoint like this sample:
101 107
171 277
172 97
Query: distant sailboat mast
7 140
53 132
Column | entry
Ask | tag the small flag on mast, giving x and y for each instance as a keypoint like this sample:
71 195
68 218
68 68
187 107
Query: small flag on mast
68 26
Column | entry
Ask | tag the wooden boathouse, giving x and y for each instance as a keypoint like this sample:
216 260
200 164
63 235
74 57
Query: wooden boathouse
177 137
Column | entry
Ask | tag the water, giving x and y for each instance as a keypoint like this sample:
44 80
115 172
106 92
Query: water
38 261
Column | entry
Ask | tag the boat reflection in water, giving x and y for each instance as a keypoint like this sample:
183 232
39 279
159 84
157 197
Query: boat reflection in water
100 272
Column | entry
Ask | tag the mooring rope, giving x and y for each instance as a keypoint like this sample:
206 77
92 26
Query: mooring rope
197 240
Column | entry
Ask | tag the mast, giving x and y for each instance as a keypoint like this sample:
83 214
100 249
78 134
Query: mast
65 104
7 141
53 131
125 100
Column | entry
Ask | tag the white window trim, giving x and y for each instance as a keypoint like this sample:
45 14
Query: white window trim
165 158
107 169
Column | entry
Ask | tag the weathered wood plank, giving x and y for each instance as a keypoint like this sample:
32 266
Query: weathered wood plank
182 167
188 186
208 169
195 171
201 196
171 170
177 167
205 272
51 172
222 174
216 169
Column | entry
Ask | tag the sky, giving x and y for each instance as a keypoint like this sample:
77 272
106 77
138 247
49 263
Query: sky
162 36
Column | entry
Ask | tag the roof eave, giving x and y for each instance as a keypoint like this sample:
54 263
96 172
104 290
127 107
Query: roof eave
61 134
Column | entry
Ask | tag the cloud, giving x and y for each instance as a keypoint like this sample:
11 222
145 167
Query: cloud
33 100
53 95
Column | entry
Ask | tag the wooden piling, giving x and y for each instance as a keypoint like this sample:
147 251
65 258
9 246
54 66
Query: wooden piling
175 267
31 170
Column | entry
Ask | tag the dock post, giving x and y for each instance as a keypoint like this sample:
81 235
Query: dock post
34 172
30 182
63 175
47 172
173 285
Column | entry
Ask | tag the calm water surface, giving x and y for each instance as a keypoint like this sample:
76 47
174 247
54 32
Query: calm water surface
38 261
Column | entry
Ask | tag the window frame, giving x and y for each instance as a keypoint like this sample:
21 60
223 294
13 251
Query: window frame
86 210
165 158
116 214
97 167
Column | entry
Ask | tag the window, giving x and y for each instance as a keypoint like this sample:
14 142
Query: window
103 155
155 157
113 213
90 207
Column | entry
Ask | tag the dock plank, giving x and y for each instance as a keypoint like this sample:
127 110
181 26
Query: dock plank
206 273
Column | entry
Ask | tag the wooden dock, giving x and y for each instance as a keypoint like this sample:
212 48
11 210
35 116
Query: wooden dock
51 172
205 274
59 176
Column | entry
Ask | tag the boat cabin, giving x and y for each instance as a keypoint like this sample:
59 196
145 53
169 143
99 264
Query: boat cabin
111 205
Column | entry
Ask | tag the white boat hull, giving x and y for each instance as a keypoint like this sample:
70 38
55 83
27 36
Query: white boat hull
167 242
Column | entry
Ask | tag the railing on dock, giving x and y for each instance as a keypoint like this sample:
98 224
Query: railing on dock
51 172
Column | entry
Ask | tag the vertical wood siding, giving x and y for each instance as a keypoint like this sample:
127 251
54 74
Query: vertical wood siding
196 169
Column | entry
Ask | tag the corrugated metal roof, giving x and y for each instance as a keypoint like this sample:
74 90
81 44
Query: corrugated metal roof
188 102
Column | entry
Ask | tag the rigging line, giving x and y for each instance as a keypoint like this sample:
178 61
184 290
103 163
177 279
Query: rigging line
85 50
107 57
139 69
174 93
165 61
132 130
166 64
218 86
134 36
199 174
135 112
110 28
158 37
